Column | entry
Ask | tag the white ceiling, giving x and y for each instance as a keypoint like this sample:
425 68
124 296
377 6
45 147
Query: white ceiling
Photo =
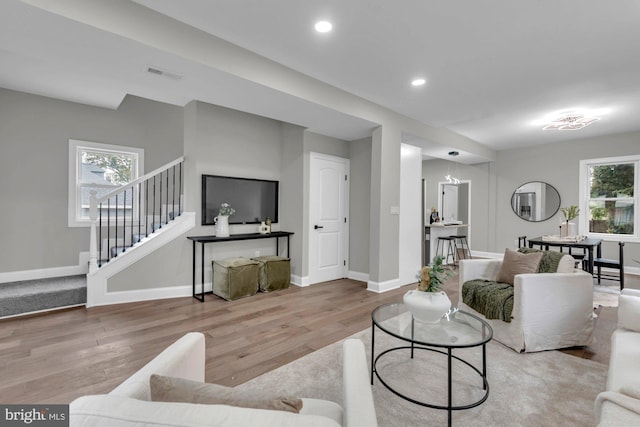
493 67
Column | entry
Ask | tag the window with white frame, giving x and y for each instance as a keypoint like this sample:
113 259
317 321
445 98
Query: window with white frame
609 198
103 168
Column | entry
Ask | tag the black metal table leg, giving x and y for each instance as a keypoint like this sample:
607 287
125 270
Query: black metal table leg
193 273
373 336
450 394
412 335
193 269
202 274
484 366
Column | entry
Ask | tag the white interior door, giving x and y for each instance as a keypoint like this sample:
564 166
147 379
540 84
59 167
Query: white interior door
328 213
449 202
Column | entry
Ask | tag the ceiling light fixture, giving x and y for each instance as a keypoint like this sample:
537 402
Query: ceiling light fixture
450 178
418 82
571 120
323 26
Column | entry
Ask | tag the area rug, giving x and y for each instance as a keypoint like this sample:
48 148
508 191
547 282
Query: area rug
605 296
535 389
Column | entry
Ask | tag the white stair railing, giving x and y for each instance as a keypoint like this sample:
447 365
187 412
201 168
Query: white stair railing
132 212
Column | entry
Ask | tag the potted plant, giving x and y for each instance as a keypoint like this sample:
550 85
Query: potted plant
569 228
428 303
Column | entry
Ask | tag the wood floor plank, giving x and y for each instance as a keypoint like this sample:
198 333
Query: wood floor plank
59 356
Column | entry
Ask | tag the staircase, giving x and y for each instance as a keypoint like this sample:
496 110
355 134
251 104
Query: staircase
127 224
131 222
127 215
31 296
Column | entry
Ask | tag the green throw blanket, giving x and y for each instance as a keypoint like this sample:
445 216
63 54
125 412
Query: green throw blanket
494 300
549 262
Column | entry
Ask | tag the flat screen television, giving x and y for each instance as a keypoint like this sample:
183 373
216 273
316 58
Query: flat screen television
254 200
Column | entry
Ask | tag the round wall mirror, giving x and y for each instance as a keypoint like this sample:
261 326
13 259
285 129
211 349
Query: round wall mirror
535 201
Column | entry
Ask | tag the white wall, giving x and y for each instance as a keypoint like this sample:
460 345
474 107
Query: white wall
410 239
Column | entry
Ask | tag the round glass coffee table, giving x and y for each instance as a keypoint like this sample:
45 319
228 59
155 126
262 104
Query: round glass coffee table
456 330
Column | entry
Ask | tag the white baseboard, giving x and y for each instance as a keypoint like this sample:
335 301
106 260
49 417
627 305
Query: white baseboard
97 283
299 281
47 273
380 287
139 295
304 281
356 275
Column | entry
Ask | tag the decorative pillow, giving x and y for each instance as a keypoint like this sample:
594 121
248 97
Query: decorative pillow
567 264
170 389
517 263
552 261
629 312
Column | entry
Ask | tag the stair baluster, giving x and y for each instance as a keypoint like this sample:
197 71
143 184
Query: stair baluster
125 198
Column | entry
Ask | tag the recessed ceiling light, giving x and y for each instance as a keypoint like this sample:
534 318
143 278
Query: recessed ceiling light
418 82
323 26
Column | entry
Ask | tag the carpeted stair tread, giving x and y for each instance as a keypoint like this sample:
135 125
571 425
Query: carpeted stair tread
43 294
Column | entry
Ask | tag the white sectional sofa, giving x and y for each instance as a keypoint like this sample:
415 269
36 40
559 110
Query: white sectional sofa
619 405
130 403
550 310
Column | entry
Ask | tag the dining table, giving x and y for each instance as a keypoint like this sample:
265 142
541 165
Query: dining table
588 244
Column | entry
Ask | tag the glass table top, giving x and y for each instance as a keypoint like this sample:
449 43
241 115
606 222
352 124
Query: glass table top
456 329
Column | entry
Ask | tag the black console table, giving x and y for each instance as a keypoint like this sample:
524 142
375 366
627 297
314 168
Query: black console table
203 240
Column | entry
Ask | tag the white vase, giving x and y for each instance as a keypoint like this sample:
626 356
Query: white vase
568 229
427 307
222 225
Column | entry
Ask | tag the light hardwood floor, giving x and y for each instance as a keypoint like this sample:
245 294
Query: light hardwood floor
58 356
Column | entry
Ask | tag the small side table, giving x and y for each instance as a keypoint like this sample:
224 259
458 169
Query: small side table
456 330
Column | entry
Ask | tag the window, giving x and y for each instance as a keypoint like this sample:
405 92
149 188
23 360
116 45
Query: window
609 198
100 167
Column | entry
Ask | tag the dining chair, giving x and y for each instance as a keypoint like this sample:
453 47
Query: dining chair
522 242
618 264
581 257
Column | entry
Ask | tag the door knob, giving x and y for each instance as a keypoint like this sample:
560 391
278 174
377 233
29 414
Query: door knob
315 227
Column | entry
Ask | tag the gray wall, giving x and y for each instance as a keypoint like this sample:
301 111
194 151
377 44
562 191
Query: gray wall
34 131
558 164
34 146
494 225
434 171
222 141
293 211
213 139
359 206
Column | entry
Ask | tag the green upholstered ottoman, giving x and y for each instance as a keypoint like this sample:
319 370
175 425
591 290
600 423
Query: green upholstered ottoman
275 272
235 278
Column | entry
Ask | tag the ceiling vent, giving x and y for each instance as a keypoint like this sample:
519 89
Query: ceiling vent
164 73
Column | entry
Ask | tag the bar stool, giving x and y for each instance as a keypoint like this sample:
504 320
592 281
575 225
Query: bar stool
461 244
450 249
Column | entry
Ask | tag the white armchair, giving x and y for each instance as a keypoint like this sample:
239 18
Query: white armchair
550 310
